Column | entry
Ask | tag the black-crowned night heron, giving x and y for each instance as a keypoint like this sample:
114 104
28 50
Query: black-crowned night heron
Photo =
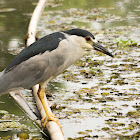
43 60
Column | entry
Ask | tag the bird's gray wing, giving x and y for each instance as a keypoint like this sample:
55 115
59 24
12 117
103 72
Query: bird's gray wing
24 75
35 70
47 43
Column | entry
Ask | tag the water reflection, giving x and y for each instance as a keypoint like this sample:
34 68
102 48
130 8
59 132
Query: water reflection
5 59
13 23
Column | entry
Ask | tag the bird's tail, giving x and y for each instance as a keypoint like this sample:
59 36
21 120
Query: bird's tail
4 83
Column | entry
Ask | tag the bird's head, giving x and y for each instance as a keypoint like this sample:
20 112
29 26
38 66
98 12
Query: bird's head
87 40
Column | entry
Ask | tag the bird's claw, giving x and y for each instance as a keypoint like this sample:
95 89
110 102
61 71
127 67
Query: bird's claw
52 117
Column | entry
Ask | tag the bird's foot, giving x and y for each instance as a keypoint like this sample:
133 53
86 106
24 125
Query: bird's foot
51 117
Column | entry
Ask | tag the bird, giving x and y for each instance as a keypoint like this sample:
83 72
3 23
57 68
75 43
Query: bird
45 59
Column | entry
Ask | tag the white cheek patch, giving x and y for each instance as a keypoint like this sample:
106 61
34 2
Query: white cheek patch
95 41
88 46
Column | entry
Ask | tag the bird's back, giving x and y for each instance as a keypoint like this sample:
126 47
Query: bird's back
47 43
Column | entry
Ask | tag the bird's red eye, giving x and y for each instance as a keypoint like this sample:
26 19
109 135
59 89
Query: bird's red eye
87 38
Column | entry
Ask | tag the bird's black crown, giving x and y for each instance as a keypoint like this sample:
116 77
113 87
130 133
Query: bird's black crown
79 32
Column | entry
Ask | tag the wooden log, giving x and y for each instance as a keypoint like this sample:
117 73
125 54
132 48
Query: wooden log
34 22
52 127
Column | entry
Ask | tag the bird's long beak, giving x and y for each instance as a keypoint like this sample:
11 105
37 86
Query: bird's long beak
100 48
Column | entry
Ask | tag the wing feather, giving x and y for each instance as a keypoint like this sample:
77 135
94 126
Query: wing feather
47 43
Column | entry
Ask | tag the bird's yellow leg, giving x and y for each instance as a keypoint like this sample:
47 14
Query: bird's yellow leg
49 115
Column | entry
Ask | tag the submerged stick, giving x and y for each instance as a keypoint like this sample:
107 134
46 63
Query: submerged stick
20 100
